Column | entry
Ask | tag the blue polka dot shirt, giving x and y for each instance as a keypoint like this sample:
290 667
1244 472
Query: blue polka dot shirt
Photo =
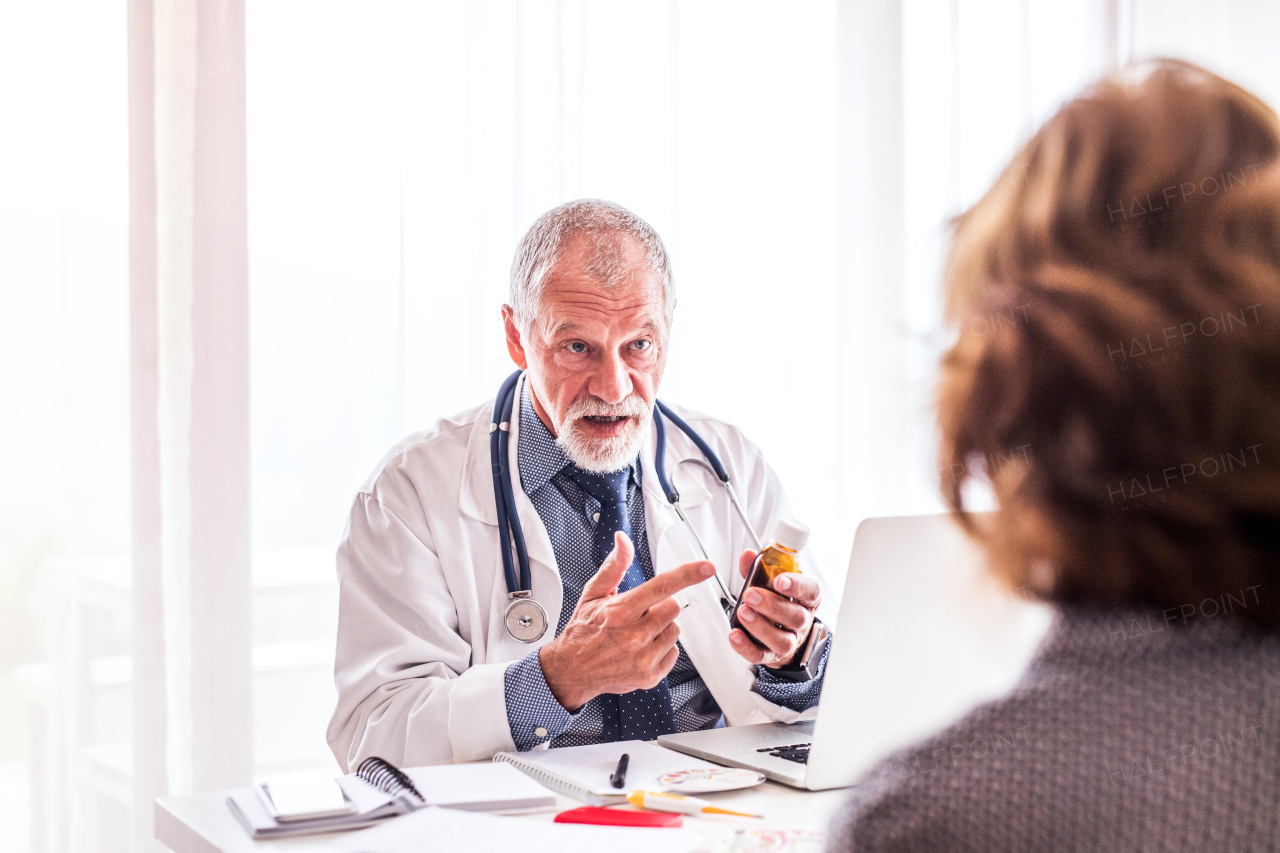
568 513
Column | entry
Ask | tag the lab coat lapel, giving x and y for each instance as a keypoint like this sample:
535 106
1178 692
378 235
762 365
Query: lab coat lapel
704 627
475 495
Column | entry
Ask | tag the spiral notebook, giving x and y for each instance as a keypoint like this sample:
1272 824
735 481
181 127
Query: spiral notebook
583 772
379 790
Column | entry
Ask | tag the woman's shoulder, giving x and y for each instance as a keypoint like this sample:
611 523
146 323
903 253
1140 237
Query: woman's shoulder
1110 726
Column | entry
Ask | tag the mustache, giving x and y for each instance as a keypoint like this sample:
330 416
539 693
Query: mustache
631 407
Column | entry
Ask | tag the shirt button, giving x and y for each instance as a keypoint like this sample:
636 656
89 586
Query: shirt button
540 731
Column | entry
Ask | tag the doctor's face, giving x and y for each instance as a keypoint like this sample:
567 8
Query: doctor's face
595 357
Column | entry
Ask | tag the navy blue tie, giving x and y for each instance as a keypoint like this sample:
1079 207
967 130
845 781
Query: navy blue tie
640 714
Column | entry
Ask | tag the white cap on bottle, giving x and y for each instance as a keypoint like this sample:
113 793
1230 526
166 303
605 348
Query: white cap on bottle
790 533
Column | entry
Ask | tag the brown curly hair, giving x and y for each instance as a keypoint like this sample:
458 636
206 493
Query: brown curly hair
1116 375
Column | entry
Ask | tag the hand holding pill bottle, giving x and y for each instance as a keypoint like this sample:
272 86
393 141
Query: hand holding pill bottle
778 557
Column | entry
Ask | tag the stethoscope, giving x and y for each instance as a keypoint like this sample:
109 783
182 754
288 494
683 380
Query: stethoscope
525 619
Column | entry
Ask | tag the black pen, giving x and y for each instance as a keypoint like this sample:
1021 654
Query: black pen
619 777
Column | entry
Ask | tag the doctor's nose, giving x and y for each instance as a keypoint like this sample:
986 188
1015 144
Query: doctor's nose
611 381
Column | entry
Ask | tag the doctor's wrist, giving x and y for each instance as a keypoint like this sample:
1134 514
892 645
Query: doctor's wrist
560 674
808 658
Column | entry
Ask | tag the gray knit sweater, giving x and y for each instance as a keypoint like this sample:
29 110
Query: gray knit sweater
1128 732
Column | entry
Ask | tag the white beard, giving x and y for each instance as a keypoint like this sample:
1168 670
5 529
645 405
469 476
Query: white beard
602 455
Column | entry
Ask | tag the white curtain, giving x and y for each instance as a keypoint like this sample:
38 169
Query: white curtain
801 160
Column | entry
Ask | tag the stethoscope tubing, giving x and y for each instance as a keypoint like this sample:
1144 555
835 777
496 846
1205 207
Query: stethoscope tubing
673 496
508 525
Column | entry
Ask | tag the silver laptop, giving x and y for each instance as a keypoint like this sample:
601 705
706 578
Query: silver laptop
924 635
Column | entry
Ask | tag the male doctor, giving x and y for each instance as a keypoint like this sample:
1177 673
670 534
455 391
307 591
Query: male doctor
637 643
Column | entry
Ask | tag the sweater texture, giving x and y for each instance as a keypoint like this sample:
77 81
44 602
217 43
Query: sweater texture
1130 731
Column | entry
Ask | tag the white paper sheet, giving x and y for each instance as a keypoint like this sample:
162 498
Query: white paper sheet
484 787
432 830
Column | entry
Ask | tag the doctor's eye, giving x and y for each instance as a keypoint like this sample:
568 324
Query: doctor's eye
642 344
577 347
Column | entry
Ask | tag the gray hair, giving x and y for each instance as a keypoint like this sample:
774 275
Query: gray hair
604 222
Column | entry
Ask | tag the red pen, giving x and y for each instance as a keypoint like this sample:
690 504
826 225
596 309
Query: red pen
616 817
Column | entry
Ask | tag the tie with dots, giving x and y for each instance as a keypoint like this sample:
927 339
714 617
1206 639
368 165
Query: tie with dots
640 714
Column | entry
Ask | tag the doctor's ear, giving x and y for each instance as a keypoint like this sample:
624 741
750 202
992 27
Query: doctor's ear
515 346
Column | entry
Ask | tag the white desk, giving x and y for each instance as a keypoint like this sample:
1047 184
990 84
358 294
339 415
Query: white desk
202 823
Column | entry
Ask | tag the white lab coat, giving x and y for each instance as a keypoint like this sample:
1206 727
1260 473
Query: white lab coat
422 647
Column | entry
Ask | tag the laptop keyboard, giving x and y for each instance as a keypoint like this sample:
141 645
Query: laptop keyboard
797 752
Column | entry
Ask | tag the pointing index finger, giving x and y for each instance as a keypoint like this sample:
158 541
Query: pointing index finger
666 585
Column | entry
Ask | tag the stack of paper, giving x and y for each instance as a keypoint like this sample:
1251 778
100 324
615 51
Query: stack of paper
468 787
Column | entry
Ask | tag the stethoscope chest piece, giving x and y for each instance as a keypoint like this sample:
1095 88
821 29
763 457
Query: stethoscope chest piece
526 620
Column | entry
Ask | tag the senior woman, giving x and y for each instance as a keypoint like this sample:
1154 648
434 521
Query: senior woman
1142 249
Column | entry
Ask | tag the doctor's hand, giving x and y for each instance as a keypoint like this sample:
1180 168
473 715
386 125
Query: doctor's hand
790 602
618 642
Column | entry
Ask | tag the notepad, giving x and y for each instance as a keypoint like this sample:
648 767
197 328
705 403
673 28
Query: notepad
582 772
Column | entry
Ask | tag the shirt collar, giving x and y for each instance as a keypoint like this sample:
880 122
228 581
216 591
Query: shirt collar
537 453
